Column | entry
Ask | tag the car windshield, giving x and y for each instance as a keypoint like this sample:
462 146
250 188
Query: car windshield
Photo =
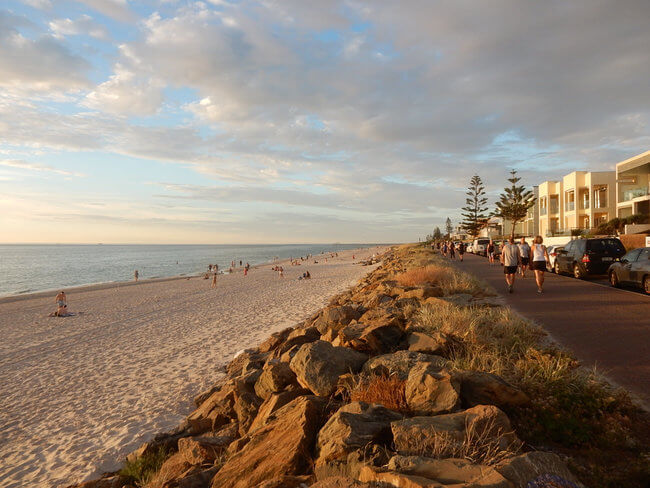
605 245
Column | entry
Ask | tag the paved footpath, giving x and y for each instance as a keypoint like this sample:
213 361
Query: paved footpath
602 326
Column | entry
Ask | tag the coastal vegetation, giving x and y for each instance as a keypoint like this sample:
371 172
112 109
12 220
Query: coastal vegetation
418 376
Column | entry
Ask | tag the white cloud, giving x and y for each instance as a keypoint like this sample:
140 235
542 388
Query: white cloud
26 165
84 25
115 9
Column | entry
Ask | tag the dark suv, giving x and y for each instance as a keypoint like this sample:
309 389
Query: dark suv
583 257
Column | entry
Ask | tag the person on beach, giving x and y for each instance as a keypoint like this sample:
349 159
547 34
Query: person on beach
461 250
490 252
538 257
281 272
524 251
61 304
214 280
510 258
136 275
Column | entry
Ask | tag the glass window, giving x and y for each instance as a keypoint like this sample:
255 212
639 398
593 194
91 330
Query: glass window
606 245
645 254
632 256
569 246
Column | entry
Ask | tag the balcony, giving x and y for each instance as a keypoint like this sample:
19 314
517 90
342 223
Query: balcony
542 211
555 208
569 206
633 193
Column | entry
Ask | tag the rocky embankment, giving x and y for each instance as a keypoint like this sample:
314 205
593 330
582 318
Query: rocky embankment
356 396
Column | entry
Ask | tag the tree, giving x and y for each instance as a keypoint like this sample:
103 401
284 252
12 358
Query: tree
437 234
448 227
514 202
474 213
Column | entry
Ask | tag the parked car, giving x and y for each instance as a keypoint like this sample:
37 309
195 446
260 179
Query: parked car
470 247
479 246
584 257
552 255
632 269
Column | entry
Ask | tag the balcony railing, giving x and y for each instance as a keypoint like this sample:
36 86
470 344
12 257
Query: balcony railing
635 193
555 209
569 206
542 211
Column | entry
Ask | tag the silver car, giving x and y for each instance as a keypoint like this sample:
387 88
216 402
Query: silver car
552 255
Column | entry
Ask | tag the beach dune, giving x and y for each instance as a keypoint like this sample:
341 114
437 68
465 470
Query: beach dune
80 392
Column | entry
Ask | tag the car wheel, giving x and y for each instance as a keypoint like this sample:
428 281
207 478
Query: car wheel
613 280
577 272
556 268
646 285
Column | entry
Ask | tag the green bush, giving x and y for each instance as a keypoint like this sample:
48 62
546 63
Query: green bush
143 469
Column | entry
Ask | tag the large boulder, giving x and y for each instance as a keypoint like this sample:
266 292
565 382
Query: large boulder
274 340
286 482
202 449
537 469
431 391
336 317
354 426
275 377
447 433
295 339
478 388
280 448
245 362
318 365
374 338
400 363
395 479
194 477
448 471
274 402
173 468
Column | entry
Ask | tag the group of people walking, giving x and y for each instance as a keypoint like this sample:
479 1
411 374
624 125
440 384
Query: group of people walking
518 257
451 249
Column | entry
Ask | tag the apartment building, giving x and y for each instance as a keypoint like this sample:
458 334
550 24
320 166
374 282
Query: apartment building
633 186
530 226
589 199
581 200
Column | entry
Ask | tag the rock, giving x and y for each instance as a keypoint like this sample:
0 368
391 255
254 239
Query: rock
202 449
274 340
448 432
216 411
336 317
392 478
352 427
478 388
319 364
421 293
201 397
431 391
298 337
167 441
194 477
275 377
246 362
237 445
436 343
280 448
340 482
375 300
173 468
536 467
448 471
286 482
246 406
273 403
400 363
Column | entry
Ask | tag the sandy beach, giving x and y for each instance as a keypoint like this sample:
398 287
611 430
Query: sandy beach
79 392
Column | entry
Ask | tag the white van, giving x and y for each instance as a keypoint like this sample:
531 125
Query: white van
480 246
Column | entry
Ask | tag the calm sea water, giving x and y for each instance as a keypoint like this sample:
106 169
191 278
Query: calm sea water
39 267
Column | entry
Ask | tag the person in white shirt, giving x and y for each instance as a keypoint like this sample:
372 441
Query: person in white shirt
539 258
510 258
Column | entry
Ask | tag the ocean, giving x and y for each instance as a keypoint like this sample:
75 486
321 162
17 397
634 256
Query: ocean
29 268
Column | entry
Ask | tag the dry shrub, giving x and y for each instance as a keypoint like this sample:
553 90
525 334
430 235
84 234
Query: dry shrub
479 444
389 391
431 274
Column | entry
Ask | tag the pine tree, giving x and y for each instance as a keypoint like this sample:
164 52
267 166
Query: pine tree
448 227
437 234
514 202
474 213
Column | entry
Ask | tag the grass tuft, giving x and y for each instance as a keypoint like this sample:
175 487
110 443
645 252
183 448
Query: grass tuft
388 391
141 471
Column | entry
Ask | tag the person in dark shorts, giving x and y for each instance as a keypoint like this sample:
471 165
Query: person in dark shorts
511 258
461 250
539 258
490 252
524 251
452 250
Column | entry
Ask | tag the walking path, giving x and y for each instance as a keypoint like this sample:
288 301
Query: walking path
603 326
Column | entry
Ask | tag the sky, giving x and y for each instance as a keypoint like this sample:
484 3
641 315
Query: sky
302 121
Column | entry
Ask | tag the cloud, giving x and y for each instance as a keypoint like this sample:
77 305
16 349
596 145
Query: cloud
26 165
84 25
41 64
115 9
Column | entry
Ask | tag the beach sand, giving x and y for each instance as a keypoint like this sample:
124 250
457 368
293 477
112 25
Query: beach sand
79 393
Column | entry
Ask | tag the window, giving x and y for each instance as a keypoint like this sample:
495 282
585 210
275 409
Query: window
569 200
606 245
632 256
600 196
645 255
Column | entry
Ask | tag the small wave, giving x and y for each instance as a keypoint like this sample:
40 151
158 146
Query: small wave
28 290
